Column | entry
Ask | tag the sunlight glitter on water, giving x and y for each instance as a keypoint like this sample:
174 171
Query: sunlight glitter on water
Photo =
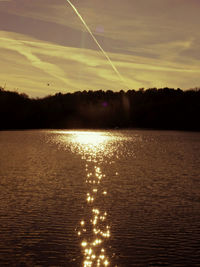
93 146
96 148
94 244
94 230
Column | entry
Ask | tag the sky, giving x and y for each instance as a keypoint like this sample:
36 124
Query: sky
46 49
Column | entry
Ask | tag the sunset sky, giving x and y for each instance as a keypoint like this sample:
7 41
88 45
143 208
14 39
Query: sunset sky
45 48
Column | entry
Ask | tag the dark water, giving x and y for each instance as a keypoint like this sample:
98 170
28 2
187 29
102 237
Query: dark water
108 198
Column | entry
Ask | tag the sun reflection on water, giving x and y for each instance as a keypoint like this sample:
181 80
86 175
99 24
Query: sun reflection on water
94 245
94 230
90 139
93 146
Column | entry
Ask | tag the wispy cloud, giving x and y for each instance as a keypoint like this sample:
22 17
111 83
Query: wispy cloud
32 63
20 46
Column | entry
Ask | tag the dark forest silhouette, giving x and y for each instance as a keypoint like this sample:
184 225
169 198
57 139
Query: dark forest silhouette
152 109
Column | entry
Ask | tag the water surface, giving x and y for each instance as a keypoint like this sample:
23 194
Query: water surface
99 198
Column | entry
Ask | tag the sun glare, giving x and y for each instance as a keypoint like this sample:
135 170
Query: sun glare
89 138
86 141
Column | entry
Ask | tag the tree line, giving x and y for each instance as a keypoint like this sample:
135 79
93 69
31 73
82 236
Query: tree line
153 108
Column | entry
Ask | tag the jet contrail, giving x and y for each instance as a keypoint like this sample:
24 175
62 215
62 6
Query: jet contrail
94 38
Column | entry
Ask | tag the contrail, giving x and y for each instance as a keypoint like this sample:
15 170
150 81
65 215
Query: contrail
94 38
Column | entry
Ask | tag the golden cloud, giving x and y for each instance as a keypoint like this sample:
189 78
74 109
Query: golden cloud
30 63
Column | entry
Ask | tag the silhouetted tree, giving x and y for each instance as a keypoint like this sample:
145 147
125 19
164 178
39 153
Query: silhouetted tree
153 108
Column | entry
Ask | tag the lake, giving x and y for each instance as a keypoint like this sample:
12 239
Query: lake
99 198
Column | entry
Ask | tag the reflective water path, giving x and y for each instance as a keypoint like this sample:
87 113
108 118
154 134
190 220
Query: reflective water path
94 229
99 198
